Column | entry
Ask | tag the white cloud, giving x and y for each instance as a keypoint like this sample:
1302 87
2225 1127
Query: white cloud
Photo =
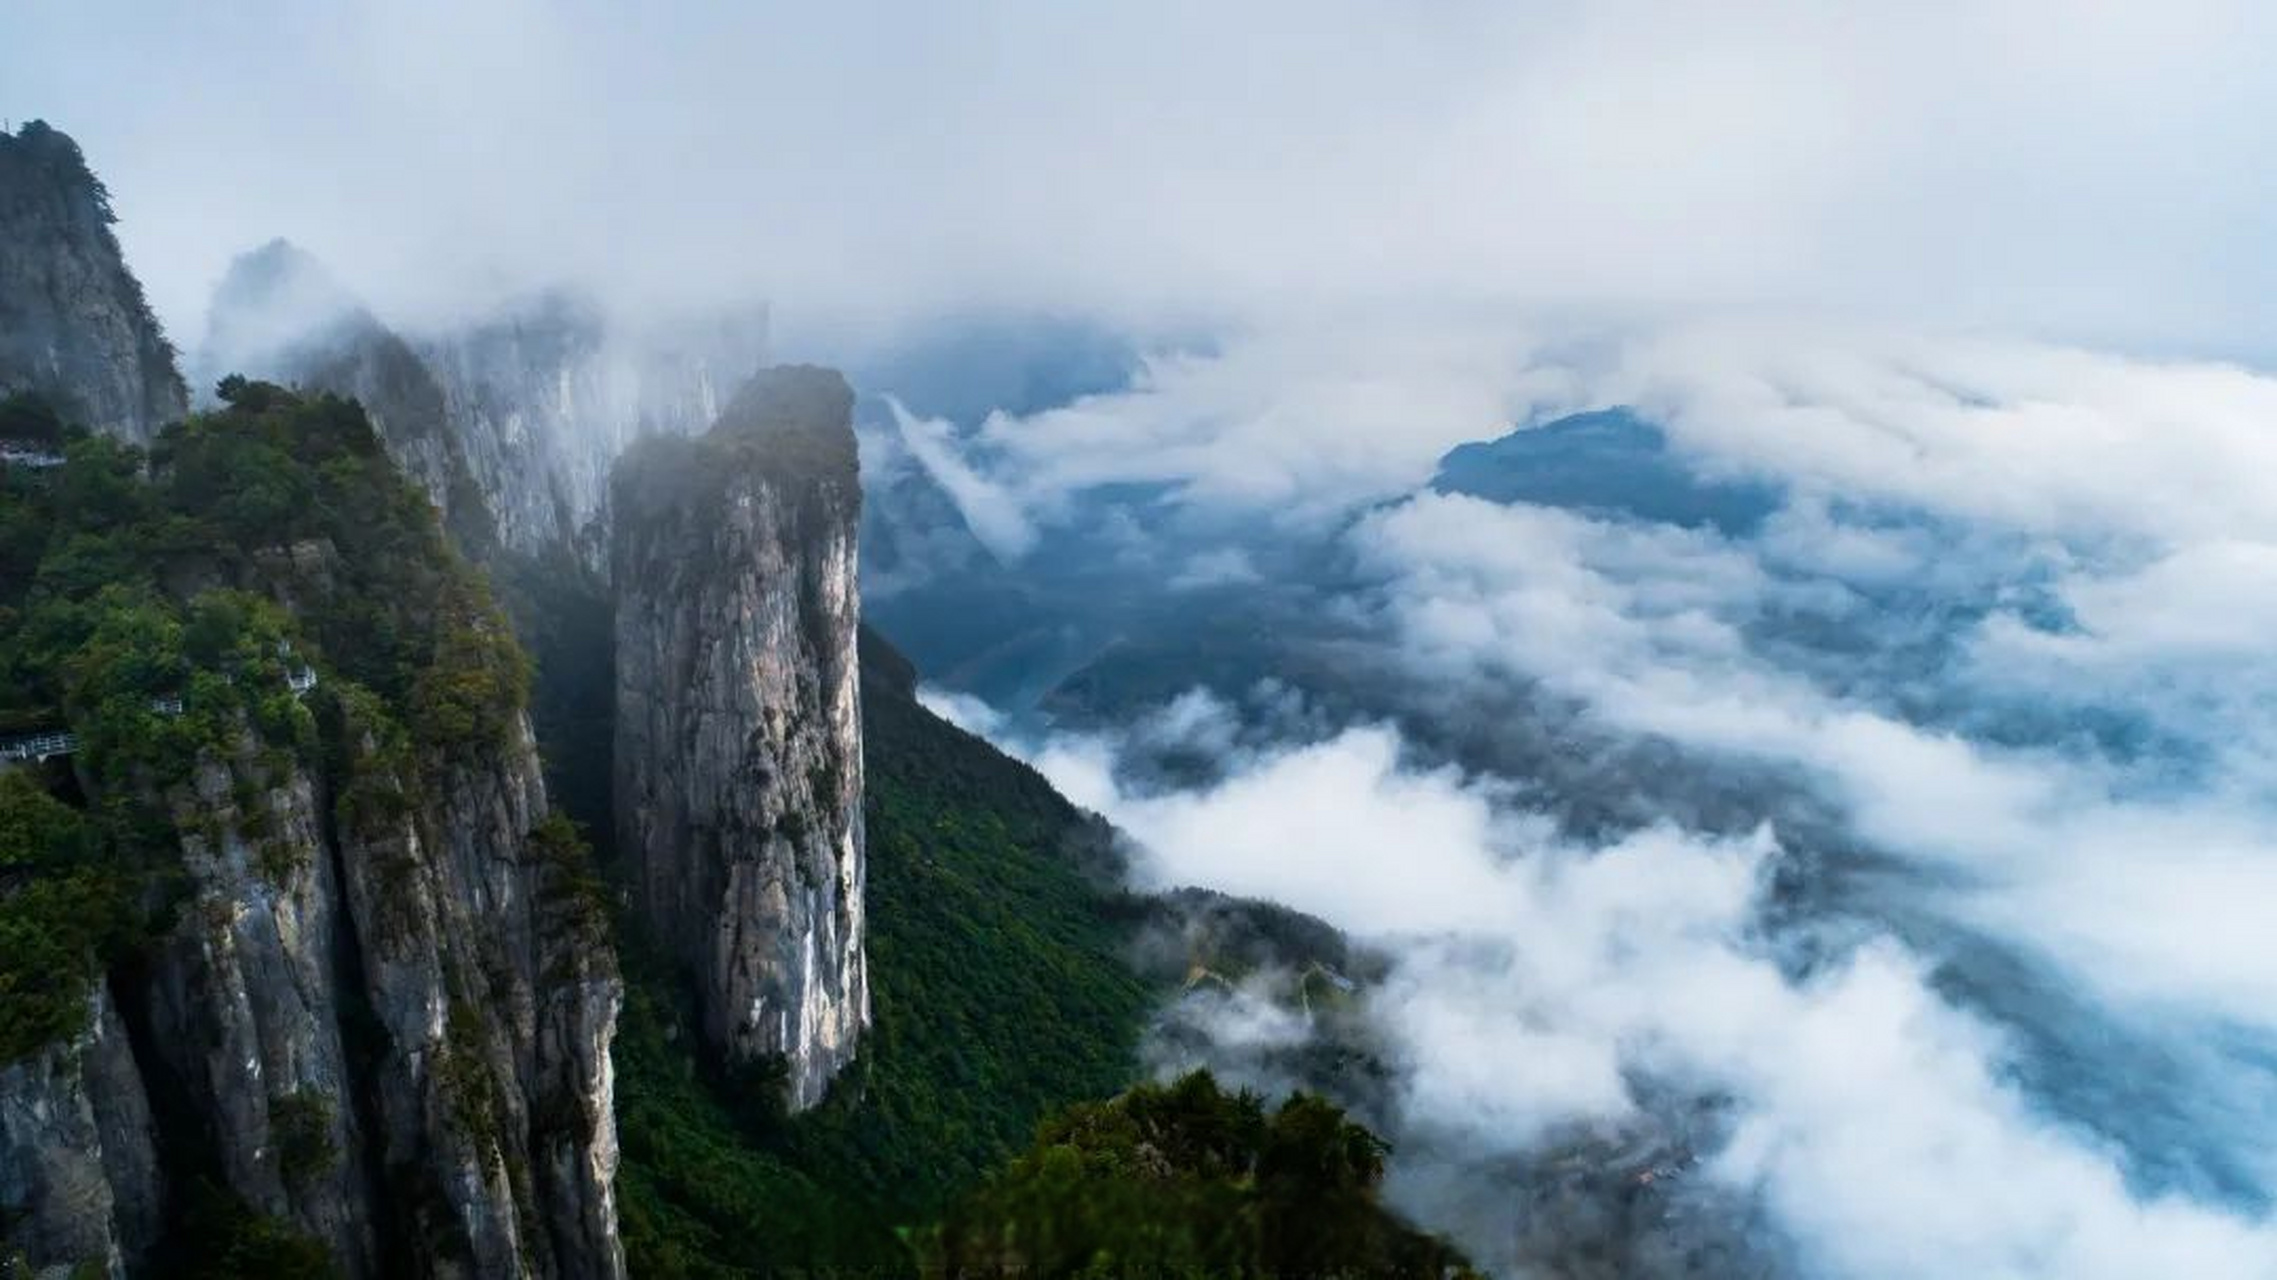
2030 162
2008 630
1360 211
962 710
1532 978
2060 442
2212 600
1220 567
1299 423
1645 627
995 516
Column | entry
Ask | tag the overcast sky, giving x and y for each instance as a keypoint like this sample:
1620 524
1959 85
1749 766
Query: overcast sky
2062 168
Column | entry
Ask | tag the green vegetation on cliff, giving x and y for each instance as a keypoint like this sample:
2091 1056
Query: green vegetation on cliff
1006 1007
160 608
258 600
67 908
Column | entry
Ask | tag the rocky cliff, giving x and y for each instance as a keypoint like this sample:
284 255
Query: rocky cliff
485 955
298 960
73 322
388 1022
79 1179
298 965
738 740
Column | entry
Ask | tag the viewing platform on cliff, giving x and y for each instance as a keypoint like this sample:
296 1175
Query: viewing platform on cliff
34 747
47 743
28 454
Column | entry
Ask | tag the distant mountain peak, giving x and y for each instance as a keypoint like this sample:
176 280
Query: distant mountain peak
1607 462
276 300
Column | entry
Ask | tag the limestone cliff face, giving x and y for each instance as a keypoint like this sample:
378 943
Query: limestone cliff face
73 321
382 1015
510 421
243 999
484 955
738 739
545 396
79 1177
378 1006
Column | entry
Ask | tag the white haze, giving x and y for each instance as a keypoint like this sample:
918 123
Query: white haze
1532 977
2083 169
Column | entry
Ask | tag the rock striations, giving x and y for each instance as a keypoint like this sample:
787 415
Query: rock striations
73 322
738 740
486 962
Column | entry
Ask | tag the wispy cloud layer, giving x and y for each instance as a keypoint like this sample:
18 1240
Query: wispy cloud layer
1981 985
2070 169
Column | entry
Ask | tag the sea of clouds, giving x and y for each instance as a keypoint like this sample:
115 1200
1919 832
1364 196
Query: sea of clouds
1979 979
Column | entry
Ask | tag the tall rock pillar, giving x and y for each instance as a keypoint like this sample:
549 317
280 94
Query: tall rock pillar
738 750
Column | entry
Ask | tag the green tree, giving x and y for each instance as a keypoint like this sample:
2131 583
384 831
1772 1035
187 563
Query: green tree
1186 1179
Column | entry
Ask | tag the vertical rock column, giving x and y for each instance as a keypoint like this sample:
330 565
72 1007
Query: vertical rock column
738 728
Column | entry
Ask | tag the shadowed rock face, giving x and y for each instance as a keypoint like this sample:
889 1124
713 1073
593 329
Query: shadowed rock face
738 739
73 322
79 1173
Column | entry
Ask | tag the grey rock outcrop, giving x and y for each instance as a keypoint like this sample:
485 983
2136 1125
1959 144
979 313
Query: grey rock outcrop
738 738
378 1011
479 1117
73 321
244 1003
79 1177
383 1016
